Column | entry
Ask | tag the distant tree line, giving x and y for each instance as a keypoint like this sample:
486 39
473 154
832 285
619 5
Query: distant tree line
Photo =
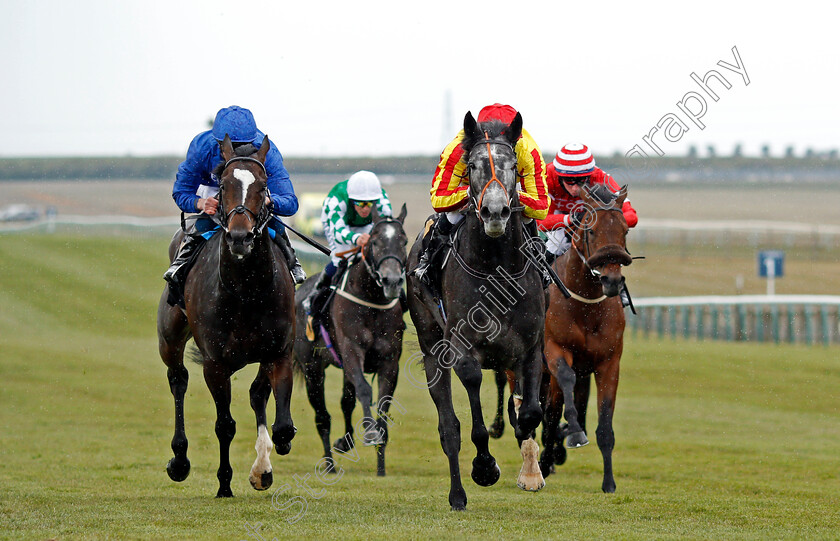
164 167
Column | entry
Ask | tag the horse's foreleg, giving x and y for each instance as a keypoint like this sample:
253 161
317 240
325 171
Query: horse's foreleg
498 426
528 418
387 385
606 379
315 393
485 471
561 368
218 381
283 430
260 475
439 380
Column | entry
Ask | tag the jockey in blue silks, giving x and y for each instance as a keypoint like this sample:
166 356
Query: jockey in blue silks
197 186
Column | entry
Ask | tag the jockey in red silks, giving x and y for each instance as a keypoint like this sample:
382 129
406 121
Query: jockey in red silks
450 184
573 167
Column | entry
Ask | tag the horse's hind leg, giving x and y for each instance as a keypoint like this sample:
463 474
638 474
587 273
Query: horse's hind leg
261 476
387 385
606 381
348 404
315 392
281 377
498 426
553 410
173 333
218 381
561 368
485 471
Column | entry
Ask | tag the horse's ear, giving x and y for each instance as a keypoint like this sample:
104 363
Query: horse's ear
622 195
264 148
471 130
403 213
227 149
515 131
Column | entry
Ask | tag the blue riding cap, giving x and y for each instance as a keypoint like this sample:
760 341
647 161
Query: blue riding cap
237 122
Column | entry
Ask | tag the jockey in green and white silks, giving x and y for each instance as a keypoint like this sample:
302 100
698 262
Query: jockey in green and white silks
344 213
347 216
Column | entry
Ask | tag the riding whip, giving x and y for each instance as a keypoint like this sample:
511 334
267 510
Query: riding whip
315 244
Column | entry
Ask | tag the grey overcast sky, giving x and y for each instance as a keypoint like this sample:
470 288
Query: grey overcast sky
376 78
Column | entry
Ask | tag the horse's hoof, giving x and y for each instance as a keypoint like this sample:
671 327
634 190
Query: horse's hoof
380 473
282 438
458 502
576 439
178 469
497 430
343 445
263 482
532 482
374 437
608 486
224 493
485 475
559 455
546 464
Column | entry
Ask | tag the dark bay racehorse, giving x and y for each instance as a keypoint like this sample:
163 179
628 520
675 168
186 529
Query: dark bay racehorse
585 333
366 329
239 310
493 309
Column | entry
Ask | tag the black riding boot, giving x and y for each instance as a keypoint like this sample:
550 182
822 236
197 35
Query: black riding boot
437 240
176 275
282 240
310 304
542 251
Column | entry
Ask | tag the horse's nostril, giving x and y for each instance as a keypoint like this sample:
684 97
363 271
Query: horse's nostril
505 213
485 213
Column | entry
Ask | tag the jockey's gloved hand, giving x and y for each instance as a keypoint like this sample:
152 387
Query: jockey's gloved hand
575 217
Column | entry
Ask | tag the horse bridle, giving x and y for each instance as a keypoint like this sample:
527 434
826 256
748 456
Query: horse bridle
584 234
260 218
493 178
373 268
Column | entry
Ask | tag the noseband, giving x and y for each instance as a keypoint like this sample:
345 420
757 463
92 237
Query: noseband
260 218
587 249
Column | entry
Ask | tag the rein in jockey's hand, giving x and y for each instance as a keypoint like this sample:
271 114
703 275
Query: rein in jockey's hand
208 205
362 240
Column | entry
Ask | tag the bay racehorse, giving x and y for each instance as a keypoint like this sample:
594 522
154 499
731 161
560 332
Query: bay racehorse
584 334
492 309
365 327
239 310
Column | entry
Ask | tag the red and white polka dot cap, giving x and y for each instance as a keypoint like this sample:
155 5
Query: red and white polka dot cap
574 160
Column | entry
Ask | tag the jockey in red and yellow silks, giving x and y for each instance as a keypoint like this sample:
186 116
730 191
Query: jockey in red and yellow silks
450 184
574 166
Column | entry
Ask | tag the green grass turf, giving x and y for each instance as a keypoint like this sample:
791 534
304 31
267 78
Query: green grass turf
713 440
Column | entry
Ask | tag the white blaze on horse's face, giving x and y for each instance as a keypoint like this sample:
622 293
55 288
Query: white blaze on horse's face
389 232
246 178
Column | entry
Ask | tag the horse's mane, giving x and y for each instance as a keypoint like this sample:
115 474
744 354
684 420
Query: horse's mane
247 149
602 194
494 129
